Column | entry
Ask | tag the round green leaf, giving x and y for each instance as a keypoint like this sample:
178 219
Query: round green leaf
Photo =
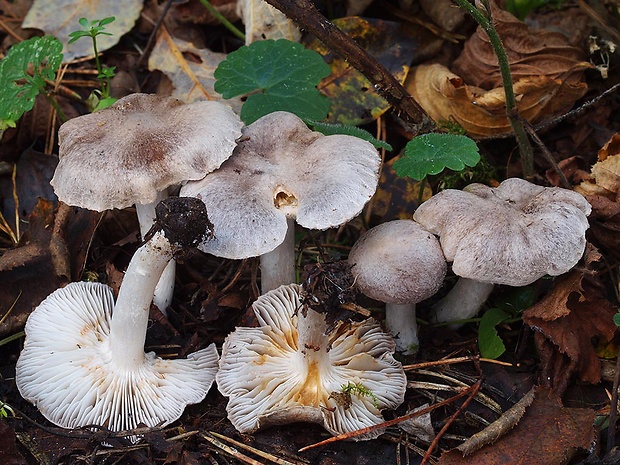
432 153
279 75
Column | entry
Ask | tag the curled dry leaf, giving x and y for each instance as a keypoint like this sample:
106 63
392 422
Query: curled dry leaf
605 179
530 53
445 96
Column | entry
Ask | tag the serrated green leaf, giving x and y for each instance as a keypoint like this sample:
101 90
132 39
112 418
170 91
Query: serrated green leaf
23 72
432 153
280 74
489 342
330 129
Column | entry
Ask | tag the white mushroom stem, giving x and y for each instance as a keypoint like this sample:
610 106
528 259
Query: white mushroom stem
400 320
131 311
463 301
162 297
278 266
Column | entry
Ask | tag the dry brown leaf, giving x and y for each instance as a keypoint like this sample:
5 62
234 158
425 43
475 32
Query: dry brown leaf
530 53
190 69
606 172
570 315
548 433
445 96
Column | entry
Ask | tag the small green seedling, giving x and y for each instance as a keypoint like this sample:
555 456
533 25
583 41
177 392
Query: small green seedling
275 75
6 410
432 153
99 99
23 75
510 308
359 390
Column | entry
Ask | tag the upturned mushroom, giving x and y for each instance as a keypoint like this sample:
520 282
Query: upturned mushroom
512 234
135 150
399 263
282 172
291 369
83 361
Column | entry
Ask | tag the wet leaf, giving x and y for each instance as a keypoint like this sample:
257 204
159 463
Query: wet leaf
574 312
530 53
445 96
60 18
432 153
354 100
547 433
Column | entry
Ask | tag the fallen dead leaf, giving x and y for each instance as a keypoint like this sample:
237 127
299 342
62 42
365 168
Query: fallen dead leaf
547 433
530 53
445 96
353 97
263 21
60 18
190 69
574 312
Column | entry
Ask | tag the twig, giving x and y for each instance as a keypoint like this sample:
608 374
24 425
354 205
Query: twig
613 413
541 145
307 16
451 361
230 450
387 423
260 453
151 42
473 391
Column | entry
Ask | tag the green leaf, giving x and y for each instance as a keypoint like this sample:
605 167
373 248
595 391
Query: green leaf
329 129
617 319
84 22
23 73
106 21
516 300
432 153
279 75
489 342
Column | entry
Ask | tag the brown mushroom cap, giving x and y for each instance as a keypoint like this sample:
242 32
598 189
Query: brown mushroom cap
398 262
281 169
127 153
512 234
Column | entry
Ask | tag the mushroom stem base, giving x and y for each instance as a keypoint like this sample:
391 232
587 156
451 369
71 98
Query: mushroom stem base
278 266
463 301
400 320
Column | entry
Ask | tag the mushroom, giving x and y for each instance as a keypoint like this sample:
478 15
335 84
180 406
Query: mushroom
133 151
280 172
399 263
291 368
83 361
512 234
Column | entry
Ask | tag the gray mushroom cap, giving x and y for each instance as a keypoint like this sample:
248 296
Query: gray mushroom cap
512 234
290 369
141 145
398 262
281 169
